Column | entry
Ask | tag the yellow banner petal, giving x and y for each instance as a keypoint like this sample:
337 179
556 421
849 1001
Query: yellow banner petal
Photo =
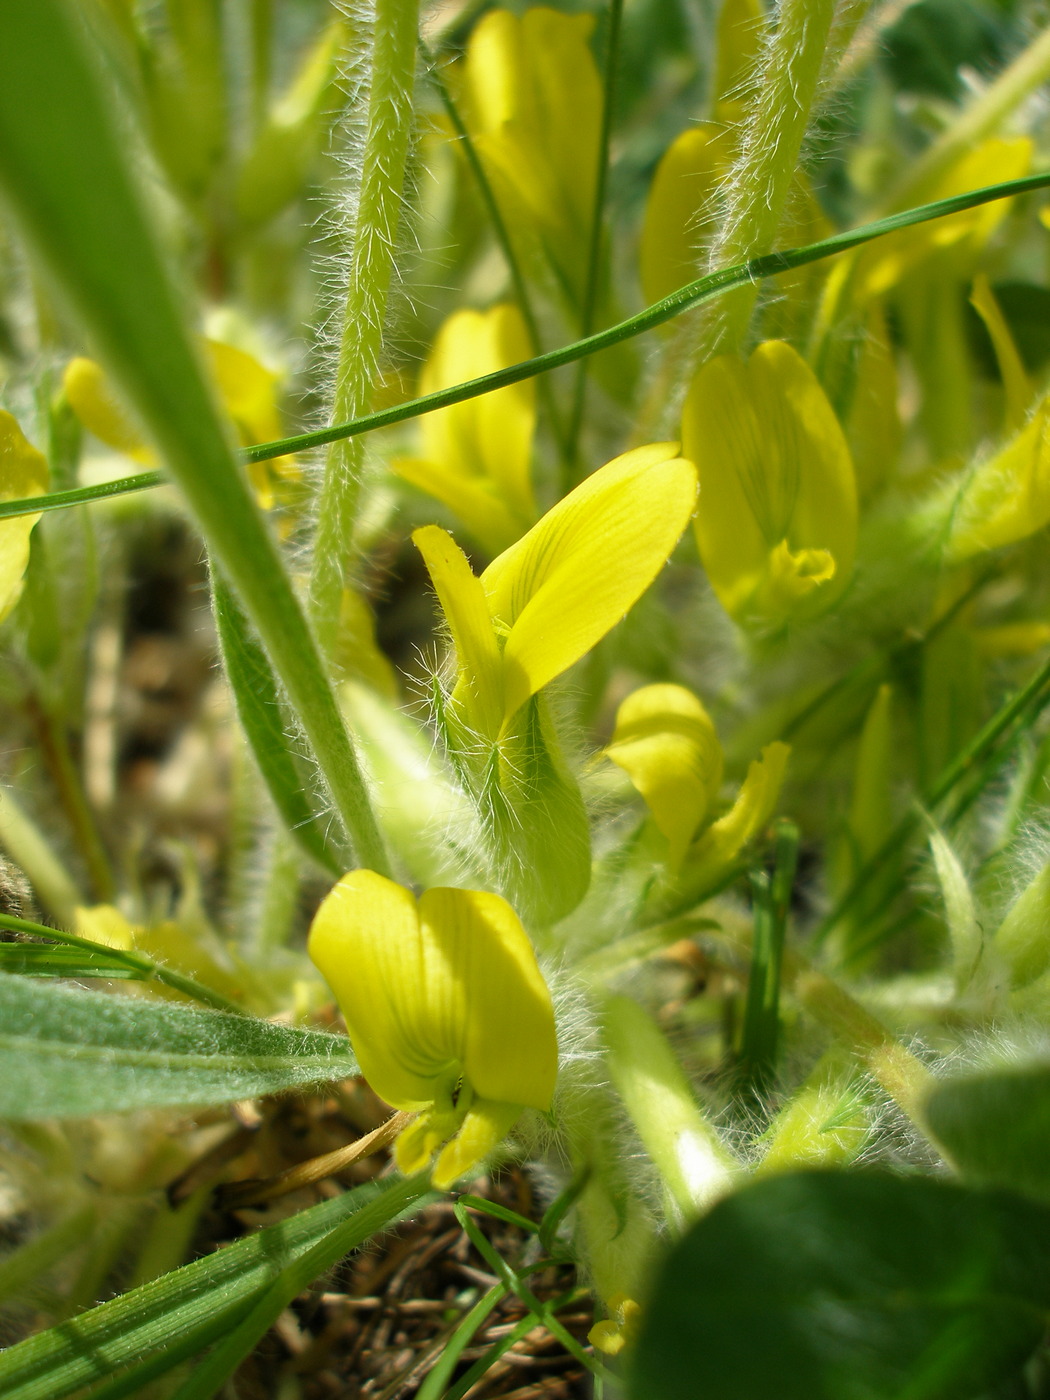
23 472
577 572
91 398
665 741
366 941
508 1049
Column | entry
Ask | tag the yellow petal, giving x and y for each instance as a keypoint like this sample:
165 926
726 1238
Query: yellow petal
486 439
681 210
578 571
367 943
666 743
740 35
722 842
463 602
508 1046
248 391
484 515
92 399
23 472
777 491
1016 384
416 1144
1006 498
484 1128
104 923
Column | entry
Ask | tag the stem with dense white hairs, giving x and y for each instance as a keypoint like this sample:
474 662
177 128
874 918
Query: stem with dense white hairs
392 68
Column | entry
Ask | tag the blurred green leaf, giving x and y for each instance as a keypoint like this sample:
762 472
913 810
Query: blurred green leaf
67 1053
848 1286
996 1127
176 1316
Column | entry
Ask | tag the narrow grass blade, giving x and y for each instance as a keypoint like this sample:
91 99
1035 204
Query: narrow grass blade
397 1197
202 1301
762 1013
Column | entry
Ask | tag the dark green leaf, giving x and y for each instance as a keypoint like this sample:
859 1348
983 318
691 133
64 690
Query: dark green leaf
848 1286
68 1053
996 1127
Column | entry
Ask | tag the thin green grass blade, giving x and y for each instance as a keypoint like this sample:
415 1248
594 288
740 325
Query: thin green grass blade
772 896
692 294
397 1198
433 1387
200 1301
67 172
69 1053
38 960
137 964
265 722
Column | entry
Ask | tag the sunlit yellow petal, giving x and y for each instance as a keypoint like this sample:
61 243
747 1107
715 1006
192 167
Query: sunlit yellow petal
509 1050
578 571
666 743
1006 498
464 605
484 1128
777 520
365 939
484 515
104 923
248 391
92 399
722 842
23 472
680 211
1016 385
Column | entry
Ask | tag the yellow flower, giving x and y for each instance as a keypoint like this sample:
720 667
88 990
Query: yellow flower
547 600
533 101
447 1011
23 472
246 388
666 743
476 455
777 521
681 211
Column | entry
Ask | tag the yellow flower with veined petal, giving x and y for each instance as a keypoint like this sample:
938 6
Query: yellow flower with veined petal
23 472
777 520
447 1011
246 388
476 455
547 600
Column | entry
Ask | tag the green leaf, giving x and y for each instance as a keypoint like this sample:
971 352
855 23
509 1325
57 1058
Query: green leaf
848 1286
186 1310
266 723
996 1127
69 173
65 1053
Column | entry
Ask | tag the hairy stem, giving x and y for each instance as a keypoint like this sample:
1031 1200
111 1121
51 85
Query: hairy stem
389 129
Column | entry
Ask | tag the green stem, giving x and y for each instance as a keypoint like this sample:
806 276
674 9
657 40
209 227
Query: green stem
378 214
27 846
692 294
146 967
762 1013
594 251
769 152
